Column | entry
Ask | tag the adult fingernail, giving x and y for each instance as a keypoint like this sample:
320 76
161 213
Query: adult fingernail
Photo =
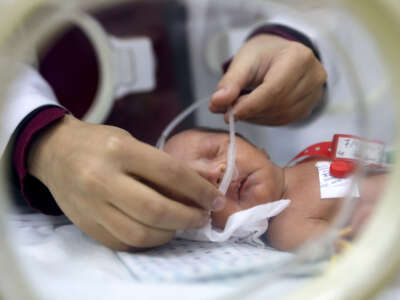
220 92
204 221
218 204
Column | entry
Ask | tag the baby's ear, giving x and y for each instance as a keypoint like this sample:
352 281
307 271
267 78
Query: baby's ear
264 152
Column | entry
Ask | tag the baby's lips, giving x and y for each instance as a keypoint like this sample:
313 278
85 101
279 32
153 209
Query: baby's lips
233 190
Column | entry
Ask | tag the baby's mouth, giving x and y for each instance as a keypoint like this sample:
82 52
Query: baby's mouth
241 187
236 188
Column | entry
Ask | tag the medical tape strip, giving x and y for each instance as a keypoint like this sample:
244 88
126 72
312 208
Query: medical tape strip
230 167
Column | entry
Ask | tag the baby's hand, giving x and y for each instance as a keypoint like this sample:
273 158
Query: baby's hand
285 77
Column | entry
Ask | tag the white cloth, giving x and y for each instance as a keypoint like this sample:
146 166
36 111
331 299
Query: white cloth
244 226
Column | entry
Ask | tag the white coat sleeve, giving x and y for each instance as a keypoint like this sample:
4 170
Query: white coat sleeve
27 92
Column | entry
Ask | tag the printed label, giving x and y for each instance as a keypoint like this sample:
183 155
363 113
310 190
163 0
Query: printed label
333 187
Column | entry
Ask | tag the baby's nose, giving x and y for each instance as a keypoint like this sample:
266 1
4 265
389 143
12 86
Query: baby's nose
214 174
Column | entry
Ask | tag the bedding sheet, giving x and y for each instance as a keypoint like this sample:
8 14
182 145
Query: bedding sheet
62 262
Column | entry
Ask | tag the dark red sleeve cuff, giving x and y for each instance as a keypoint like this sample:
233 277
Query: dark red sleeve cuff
34 191
282 31
287 33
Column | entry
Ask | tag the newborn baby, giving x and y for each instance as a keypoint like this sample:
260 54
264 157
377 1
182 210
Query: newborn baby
260 181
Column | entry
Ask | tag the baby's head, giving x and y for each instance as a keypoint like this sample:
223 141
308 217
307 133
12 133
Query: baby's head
257 181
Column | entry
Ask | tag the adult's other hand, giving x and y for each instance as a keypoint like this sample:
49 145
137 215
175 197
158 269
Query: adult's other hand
284 78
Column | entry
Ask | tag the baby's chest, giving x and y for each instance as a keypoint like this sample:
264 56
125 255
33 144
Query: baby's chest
307 199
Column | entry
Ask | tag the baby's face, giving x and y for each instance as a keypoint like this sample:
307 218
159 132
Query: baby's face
256 181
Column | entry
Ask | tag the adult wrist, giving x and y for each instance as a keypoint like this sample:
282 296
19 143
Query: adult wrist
40 153
283 32
287 33
33 190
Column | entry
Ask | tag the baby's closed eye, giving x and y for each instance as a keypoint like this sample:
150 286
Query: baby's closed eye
209 152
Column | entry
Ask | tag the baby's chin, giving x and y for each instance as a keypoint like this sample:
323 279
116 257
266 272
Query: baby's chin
243 193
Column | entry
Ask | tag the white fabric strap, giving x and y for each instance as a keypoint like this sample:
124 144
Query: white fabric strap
134 65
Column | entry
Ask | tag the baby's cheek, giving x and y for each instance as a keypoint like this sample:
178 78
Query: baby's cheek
259 194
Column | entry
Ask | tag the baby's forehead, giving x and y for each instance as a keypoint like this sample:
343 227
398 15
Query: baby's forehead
196 138
221 133
208 132
199 142
204 138
200 134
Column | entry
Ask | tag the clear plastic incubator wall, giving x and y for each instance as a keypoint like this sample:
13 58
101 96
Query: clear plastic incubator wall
108 100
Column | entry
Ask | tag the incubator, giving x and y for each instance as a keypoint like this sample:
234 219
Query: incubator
150 67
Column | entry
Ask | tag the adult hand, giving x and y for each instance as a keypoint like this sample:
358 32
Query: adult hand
122 192
285 77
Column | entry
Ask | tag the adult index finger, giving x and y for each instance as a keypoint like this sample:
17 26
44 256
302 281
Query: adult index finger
171 176
147 206
278 82
231 84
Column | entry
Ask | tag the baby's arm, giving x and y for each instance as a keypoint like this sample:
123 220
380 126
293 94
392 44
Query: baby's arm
287 233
